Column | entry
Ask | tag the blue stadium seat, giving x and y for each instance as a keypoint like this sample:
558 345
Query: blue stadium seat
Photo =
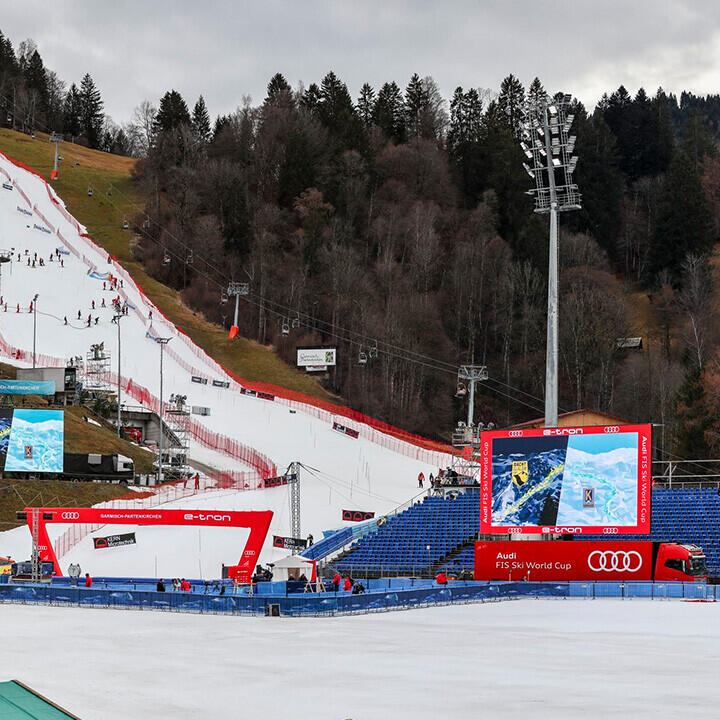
400 546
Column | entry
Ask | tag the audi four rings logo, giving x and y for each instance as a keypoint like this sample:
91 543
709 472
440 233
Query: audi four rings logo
515 433
610 531
609 560
612 429
71 516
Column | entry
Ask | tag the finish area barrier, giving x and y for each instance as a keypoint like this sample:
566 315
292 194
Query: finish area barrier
257 521
330 603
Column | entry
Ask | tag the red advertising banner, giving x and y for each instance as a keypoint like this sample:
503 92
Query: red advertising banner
258 522
553 560
574 481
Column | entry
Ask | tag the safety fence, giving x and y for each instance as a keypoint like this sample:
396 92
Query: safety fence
381 433
646 590
315 604
207 438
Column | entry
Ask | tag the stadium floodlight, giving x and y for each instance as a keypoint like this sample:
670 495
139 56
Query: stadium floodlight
545 127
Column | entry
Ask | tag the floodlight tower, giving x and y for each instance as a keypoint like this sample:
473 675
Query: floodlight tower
549 147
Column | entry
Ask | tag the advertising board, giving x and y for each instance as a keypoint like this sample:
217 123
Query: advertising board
114 540
557 561
566 480
316 356
31 440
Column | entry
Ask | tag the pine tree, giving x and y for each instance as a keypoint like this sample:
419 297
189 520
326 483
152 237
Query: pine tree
337 112
279 92
72 121
91 111
173 112
684 224
389 112
310 100
201 122
365 104
510 103
416 105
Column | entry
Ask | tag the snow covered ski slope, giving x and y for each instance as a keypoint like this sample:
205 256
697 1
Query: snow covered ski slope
245 430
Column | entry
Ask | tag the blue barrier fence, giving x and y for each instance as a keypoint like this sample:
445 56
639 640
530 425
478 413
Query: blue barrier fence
293 604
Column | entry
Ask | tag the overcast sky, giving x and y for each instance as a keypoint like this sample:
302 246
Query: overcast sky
138 49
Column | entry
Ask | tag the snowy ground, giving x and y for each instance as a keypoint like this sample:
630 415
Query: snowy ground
540 658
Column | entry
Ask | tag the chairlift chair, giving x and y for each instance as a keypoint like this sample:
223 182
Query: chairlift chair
90 192
296 321
125 224
166 259
190 258
223 298
362 357
373 352
461 390
285 329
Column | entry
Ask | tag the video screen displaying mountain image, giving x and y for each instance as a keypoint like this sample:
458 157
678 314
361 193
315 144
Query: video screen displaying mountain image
35 441
566 480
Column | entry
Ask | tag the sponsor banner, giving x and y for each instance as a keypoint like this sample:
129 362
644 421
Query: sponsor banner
289 543
31 440
220 383
114 541
200 410
346 430
279 480
566 481
27 387
199 380
314 356
548 560
7 186
357 515
256 393
316 368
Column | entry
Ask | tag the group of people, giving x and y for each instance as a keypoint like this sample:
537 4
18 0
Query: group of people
35 261
176 584
445 476
348 585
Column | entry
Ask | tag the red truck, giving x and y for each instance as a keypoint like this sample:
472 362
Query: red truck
557 560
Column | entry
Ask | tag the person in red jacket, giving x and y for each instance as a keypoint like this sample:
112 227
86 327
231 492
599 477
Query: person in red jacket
441 578
88 580
336 582
185 585
347 584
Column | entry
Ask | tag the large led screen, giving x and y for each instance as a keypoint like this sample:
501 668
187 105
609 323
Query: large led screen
566 480
31 440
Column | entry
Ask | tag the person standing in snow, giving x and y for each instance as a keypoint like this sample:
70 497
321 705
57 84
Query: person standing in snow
421 479
65 320
197 481
88 580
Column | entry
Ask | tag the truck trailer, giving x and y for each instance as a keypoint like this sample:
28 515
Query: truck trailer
584 560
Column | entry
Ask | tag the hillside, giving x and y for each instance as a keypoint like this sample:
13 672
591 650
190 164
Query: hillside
102 214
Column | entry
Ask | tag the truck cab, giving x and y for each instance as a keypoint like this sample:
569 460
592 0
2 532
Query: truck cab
684 563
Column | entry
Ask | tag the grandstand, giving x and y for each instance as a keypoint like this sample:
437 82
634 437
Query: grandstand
438 533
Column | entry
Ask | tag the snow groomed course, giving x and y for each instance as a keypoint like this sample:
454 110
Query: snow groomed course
252 428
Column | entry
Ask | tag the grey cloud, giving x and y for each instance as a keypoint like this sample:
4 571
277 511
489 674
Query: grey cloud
137 49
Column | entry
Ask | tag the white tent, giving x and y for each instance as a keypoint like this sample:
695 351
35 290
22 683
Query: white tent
291 567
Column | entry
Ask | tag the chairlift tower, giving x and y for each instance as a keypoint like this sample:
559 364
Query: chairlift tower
547 143
177 420
97 369
57 139
237 289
